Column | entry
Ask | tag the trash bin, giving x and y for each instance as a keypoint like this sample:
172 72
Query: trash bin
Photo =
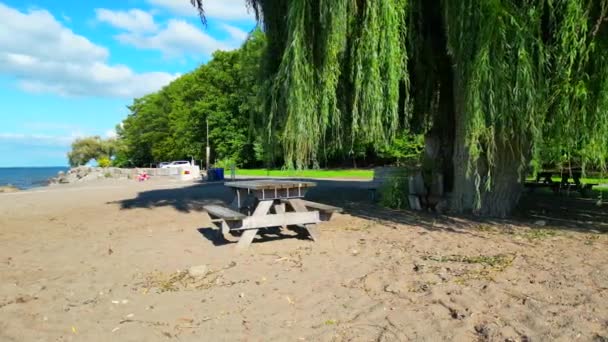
219 173
215 174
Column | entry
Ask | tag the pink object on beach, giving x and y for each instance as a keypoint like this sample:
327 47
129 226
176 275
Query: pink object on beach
142 177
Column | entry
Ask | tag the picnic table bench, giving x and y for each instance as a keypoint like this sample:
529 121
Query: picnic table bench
269 204
544 180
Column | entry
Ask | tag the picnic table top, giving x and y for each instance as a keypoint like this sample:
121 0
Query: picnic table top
266 184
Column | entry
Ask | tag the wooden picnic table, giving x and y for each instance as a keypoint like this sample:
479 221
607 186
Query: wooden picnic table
267 189
269 204
544 179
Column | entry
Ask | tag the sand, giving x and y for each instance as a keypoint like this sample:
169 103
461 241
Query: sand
108 261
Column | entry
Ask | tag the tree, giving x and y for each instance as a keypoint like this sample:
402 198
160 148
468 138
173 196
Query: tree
86 149
171 123
492 84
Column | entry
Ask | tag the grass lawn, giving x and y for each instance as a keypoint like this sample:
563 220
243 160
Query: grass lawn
583 180
337 173
360 174
603 188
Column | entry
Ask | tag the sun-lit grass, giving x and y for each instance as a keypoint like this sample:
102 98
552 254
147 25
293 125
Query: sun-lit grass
592 180
602 188
337 173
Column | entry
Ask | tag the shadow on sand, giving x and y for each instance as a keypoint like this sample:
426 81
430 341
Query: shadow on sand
270 234
559 211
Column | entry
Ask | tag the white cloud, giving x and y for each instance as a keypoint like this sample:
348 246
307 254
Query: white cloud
134 20
47 57
220 9
181 38
51 126
39 31
236 33
36 139
111 133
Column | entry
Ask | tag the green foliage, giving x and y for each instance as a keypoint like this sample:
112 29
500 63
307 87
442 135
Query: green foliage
85 149
534 77
406 149
104 162
394 192
334 81
225 163
523 80
171 124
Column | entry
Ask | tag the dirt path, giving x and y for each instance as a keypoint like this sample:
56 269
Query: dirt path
108 262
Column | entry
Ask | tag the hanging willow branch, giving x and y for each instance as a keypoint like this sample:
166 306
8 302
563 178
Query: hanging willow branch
535 76
530 76
199 5
323 40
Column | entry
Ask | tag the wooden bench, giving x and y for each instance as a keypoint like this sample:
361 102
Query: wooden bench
222 216
226 219
325 211
224 213
583 189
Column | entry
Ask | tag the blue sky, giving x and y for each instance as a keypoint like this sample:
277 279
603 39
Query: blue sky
69 68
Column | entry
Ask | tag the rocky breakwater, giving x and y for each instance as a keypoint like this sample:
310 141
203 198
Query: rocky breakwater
8 188
87 174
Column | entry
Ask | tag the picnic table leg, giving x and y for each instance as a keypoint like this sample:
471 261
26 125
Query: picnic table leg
299 206
237 201
280 209
249 235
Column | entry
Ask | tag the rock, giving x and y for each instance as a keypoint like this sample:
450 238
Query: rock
391 289
541 223
8 188
198 271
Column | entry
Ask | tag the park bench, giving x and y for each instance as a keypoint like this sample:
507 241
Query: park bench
325 211
223 215
583 189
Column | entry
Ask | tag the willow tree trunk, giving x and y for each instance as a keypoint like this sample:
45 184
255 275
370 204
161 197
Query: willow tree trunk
472 193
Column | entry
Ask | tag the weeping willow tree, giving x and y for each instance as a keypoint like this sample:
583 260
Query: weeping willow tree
495 85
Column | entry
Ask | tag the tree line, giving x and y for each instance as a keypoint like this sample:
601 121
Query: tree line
227 95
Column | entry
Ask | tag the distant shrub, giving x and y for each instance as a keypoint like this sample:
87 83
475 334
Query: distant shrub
394 192
406 149
225 163
104 162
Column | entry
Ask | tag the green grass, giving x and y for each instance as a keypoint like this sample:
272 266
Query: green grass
337 173
603 189
583 180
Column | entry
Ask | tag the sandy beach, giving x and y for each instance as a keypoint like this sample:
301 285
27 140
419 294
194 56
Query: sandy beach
109 261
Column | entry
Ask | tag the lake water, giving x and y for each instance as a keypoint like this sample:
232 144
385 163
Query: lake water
28 177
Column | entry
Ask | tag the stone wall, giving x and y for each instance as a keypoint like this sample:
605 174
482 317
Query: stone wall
85 173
